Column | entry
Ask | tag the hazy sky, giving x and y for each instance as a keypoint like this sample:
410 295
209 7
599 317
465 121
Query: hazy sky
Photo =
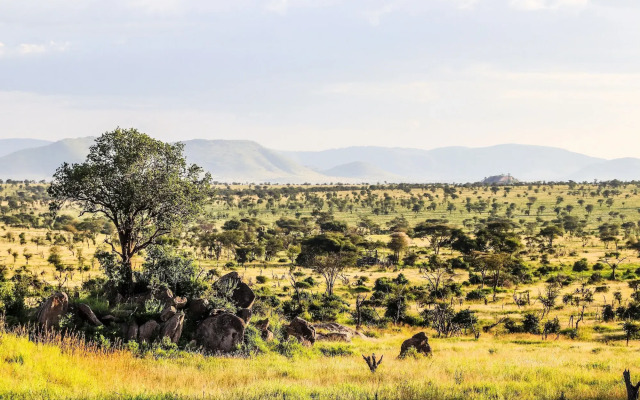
295 74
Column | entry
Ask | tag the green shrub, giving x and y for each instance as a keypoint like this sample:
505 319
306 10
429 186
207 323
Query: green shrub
164 266
290 348
476 294
335 350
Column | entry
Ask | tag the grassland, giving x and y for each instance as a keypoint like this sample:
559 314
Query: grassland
496 366
514 367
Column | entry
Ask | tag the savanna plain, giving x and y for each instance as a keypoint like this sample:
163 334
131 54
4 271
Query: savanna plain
524 290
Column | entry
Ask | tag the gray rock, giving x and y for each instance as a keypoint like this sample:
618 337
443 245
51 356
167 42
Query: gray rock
180 302
244 314
419 341
53 309
242 296
332 331
173 328
220 333
198 308
333 337
147 331
167 313
302 330
87 313
132 331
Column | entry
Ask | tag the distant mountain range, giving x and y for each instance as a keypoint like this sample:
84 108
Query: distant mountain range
247 161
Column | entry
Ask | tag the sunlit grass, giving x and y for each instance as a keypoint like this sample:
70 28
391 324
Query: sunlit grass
509 367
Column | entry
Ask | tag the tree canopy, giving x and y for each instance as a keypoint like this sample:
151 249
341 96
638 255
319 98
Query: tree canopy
144 186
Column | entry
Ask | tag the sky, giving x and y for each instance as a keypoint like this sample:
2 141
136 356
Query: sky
318 74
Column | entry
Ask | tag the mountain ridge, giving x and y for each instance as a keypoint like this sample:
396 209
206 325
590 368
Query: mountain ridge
248 161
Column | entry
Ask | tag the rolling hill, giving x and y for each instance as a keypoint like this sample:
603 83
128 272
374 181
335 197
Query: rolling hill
458 164
247 161
8 146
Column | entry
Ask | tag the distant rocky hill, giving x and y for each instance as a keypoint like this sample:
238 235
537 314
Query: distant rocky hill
247 161
500 180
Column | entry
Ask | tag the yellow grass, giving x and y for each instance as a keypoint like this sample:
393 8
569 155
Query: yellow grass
513 367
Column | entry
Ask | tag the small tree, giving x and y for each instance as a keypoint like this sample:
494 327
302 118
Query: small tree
399 243
330 266
142 185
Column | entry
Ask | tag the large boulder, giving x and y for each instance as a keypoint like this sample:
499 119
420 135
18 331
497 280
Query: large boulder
147 331
173 327
198 308
87 314
419 341
53 309
334 332
220 333
132 332
302 330
242 295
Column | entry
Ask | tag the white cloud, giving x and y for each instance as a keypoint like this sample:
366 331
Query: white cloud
28 49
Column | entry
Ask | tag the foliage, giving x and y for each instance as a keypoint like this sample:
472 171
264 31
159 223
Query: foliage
165 267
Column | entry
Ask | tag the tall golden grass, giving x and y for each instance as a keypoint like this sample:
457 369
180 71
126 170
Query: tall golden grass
54 366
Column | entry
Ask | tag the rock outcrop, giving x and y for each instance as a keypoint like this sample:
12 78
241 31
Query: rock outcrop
132 332
263 327
334 332
173 327
419 341
198 308
167 313
302 330
88 315
147 331
53 309
220 333
242 295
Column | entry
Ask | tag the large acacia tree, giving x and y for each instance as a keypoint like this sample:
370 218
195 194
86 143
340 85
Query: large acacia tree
142 185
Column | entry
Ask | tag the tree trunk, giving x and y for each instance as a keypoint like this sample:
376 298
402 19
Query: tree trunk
632 390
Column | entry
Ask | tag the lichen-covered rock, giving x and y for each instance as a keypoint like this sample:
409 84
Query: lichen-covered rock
302 330
242 295
147 331
419 341
221 332
332 331
173 327
53 309
87 314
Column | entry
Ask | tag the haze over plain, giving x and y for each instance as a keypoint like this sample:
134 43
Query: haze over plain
320 74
